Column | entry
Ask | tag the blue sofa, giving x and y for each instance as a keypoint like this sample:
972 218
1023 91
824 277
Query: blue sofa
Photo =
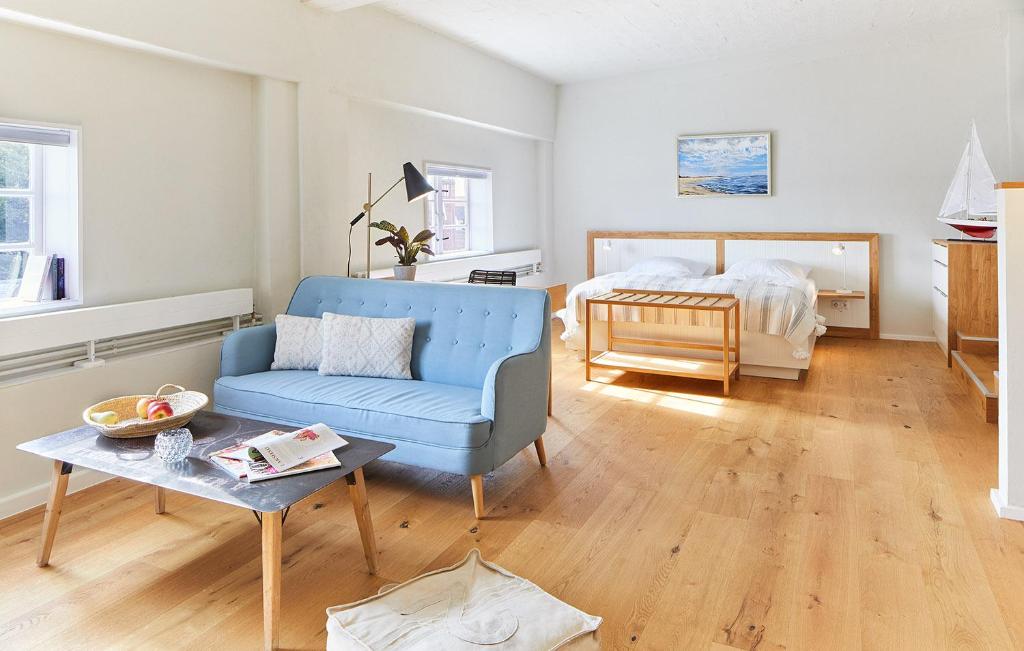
481 364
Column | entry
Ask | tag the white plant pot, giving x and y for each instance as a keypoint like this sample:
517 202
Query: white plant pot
405 271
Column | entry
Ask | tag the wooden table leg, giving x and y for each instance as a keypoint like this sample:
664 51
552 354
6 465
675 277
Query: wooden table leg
58 488
271 524
739 326
361 506
159 500
725 352
586 349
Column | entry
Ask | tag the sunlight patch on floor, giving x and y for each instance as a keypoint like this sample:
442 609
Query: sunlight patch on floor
679 401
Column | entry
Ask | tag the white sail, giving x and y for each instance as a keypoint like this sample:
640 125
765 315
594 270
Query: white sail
972 191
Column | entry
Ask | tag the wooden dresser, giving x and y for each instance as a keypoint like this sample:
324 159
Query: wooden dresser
964 293
965 316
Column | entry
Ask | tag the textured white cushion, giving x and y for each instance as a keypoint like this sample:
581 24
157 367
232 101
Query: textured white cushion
768 268
472 605
298 343
367 347
667 265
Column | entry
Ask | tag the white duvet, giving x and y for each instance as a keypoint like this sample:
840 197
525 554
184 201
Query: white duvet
772 306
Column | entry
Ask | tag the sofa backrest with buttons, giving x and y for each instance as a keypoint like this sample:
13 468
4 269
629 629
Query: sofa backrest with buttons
461 330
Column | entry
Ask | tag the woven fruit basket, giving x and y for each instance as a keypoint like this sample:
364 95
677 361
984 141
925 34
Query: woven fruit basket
184 404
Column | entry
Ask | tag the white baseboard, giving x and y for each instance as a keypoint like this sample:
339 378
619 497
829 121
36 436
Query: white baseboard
896 337
1003 509
33 496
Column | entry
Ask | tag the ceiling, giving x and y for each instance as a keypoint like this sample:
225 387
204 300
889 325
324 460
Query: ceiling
573 40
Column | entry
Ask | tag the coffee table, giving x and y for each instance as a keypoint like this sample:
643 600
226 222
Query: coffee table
270 500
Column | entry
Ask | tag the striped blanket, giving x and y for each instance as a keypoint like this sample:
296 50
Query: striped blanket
767 306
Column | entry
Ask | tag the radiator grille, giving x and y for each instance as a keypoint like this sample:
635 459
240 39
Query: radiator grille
25 366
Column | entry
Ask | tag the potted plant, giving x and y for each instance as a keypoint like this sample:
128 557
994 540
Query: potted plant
405 248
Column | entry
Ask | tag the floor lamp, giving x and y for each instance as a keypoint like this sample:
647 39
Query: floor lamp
416 187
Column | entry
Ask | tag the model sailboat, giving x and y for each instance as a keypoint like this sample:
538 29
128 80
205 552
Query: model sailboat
970 205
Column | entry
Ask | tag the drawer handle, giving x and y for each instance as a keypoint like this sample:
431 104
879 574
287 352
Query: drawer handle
944 294
941 262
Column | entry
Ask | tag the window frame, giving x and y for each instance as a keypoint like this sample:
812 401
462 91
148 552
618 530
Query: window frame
72 217
35 193
469 228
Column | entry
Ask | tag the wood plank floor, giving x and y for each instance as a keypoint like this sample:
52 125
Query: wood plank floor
848 510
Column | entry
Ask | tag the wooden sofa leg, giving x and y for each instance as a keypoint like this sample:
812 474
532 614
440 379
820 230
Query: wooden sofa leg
477 482
542 456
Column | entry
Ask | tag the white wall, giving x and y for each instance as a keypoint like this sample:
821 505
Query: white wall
867 141
382 139
1015 84
167 161
168 209
278 227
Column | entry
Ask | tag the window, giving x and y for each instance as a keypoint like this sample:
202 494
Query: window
20 205
38 214
459 212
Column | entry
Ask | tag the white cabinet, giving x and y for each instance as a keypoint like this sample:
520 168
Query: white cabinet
940 295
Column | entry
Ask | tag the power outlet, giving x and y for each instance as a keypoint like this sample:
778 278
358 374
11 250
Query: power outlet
840 305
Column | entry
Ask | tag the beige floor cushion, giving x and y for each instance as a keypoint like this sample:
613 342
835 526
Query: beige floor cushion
471 605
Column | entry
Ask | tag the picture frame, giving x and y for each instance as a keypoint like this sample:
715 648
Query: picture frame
724 164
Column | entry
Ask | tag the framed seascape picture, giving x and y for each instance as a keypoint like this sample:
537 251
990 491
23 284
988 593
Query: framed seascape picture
724 164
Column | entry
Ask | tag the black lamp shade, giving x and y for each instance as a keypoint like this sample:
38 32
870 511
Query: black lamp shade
416 187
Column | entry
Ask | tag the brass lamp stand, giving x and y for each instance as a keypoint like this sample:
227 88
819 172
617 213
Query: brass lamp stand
416 187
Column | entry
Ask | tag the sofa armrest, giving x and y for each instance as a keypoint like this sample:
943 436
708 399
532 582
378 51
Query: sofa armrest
515 398
249 350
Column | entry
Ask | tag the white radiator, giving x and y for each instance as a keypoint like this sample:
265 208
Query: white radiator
43 343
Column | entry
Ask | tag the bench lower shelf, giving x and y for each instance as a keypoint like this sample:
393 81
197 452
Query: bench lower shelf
703 369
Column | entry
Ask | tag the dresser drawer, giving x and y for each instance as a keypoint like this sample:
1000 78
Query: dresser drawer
940 317
940 276
940 253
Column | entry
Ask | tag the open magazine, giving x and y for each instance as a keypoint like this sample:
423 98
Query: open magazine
279 454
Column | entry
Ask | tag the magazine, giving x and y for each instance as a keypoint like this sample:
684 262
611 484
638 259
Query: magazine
260 469
283 450
279 454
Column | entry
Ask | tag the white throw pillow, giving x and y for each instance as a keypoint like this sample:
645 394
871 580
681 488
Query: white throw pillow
298 343
367 347
669 266
768 268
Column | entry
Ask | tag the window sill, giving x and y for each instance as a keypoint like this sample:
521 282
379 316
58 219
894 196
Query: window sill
12 307
457 256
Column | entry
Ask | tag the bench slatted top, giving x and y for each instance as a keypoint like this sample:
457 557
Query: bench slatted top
654 298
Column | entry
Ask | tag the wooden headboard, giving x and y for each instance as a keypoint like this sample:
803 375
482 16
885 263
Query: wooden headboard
721 249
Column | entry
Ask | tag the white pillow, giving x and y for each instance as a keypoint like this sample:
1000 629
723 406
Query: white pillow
769 268
669 266
298 343
367 347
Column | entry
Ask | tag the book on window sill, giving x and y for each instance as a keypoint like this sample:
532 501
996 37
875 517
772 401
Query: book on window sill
33 279
279 454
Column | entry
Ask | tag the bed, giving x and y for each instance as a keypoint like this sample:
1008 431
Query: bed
780 310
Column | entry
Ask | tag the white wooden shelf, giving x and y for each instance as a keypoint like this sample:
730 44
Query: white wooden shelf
707 369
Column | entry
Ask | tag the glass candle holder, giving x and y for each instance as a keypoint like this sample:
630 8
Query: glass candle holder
173 445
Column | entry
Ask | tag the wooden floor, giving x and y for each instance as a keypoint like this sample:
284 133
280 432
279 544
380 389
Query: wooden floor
848 510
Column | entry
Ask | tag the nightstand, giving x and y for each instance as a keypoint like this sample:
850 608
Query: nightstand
832 293
556 290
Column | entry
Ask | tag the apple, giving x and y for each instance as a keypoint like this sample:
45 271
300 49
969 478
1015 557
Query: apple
159 409
104 417
142 407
